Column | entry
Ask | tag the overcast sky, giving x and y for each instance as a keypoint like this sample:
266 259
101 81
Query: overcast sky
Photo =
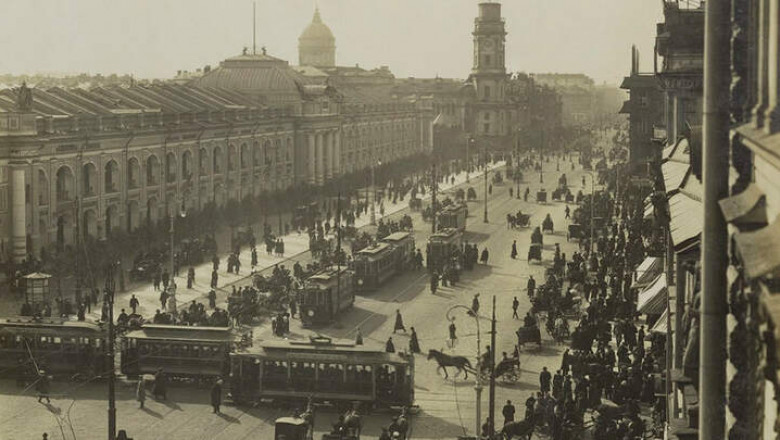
422 38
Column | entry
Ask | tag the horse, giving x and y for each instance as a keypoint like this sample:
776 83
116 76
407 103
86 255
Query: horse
523 428
444 360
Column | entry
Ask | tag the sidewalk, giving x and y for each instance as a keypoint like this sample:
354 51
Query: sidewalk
295 244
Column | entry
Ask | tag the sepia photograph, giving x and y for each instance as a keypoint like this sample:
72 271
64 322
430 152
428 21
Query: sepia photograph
389 220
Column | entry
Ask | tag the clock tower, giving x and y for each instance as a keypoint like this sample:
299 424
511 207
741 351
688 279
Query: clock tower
488 74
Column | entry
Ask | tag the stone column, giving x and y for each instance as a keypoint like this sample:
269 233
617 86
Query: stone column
18 215
320 158
329 155
337 153
312 173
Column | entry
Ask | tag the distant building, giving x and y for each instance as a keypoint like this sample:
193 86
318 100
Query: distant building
645 108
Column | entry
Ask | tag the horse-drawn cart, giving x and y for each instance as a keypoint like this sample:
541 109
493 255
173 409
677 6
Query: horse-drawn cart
535 252
541 196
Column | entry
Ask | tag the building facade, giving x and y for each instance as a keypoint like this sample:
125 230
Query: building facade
92 161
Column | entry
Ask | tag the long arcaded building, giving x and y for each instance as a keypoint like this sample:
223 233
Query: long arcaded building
111 158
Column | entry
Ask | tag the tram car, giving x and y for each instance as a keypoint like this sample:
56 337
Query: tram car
58 346
322 370
454 216
444 247
374 265
181 351
325 294
403 243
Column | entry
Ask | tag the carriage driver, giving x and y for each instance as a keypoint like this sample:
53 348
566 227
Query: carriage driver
529 320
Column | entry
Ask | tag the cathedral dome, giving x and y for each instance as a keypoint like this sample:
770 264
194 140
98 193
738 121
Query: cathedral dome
317 32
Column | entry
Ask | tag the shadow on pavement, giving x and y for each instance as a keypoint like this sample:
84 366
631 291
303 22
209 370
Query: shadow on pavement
228 418
151 412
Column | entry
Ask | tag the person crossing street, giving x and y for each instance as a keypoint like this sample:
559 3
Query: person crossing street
515 305
399 322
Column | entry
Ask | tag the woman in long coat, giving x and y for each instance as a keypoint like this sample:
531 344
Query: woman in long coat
140 393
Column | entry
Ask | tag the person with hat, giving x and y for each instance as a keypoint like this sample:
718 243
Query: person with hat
42 386
140 393
216 395
399 322
414 343
389 346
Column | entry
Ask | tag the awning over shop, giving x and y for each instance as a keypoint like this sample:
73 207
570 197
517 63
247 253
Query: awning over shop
647 271
661 326
686 220
649 208
674 175
652 300
747 207
760 250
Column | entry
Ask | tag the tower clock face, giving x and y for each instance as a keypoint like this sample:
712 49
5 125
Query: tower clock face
488 44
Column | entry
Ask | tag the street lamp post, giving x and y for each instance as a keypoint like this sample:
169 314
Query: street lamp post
172 297
592 202
373 196
485 164
109 298
478 386
468 158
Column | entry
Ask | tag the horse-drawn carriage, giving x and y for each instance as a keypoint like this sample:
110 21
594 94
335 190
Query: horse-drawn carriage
529 335
415 204
519 219
535 252
498 178
575 232
547 224
541 196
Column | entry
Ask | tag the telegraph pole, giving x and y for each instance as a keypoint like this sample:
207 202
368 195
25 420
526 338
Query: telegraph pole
109 292
434 184
492 389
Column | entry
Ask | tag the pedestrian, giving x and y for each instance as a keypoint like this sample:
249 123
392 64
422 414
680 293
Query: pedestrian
529 407
475 304
42 386
531 286
414 343
510 192
140 393
160 388
212 296
484 257
513 254
359 337
163 299
453 337
515 305
399 322
509 412
544 381
166 278
133 303
156 280
389 346
434 282
490 189
216 396
190 277
45 436
214 279
568 212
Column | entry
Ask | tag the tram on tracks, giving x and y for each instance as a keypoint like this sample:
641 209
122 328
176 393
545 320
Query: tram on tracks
445 249
376 264
454 216
403 244
181 351
59 346
325 294
323 370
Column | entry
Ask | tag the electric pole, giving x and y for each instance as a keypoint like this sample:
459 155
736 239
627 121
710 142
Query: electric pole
109 300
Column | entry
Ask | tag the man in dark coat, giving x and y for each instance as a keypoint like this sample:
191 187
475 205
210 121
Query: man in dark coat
389 346
414 343
531 286
42 386
399 322
160 388
544 381
509 412
216 395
